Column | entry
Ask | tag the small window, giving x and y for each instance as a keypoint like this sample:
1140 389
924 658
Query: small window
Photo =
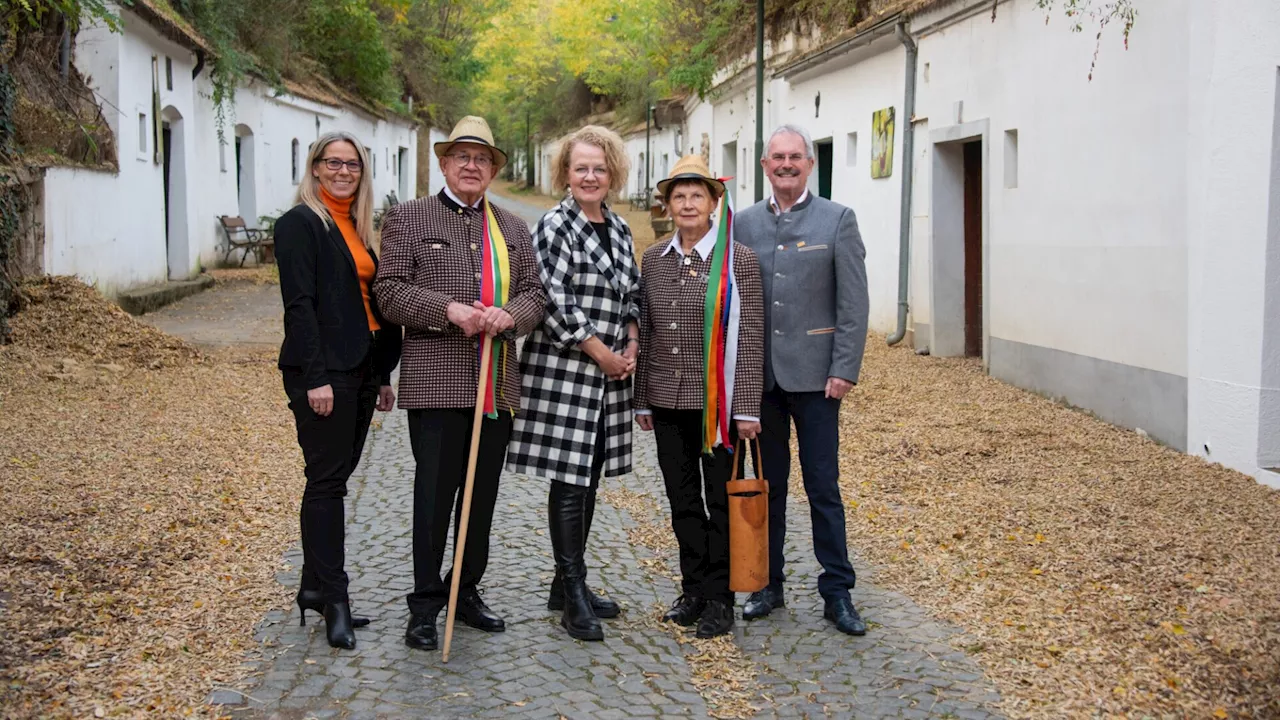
168 72
851 149
1011 159
373 161
295 161
142 135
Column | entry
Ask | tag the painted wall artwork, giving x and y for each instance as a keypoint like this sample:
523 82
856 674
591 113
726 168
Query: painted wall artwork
882 143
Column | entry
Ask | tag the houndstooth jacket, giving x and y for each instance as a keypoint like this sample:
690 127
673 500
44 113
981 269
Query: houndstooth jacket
670 371
430 258
563 391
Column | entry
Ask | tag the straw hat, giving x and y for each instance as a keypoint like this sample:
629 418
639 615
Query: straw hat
691 167
472 129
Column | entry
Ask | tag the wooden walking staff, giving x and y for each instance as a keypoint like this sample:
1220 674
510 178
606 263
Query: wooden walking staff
482 386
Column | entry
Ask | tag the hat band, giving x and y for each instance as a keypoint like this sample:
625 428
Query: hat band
691 176
472 139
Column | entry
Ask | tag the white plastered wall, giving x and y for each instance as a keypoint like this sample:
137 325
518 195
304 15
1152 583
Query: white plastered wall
1233 221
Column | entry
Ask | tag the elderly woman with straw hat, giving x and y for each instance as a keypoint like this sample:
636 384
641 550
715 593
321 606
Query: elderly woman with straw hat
336 359
575 424
699 379
455 267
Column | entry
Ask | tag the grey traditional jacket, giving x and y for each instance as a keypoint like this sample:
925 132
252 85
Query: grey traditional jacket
813 266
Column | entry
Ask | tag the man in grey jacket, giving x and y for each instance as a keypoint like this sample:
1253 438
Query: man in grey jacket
815 296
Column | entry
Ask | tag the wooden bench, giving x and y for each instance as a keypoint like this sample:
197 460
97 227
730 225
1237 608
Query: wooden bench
242 237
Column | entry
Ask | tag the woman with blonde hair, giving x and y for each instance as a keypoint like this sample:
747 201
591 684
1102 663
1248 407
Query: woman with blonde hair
337 358
576 368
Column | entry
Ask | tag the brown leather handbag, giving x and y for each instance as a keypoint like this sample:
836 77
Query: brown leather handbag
748 528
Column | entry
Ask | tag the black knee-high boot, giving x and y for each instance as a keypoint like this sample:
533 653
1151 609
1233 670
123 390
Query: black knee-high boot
603 607
566 510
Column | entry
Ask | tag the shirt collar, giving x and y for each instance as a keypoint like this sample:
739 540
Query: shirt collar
804 199
447 193
703 248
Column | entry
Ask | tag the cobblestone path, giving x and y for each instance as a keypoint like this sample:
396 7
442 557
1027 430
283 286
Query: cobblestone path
904 667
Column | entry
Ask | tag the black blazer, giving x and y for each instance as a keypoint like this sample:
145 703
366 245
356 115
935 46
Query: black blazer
325 324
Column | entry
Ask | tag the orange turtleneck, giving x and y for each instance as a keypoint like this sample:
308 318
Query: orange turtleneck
341 212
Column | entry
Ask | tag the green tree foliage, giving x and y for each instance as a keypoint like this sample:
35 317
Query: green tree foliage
381 50
345 36
433 52
19 14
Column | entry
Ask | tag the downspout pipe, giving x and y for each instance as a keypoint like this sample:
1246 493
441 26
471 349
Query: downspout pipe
908 175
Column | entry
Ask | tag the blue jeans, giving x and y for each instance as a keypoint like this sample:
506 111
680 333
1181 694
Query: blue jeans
818 431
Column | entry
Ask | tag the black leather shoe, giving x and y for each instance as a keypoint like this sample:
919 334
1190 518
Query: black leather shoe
337 626
313 600
717 619
845 616
421 634
473 612
762 602
603 607
686 610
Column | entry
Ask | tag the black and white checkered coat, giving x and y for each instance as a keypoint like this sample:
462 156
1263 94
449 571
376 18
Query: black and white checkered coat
562 388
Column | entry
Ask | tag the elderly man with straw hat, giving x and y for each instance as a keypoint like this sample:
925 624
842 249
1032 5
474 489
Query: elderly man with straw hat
455 267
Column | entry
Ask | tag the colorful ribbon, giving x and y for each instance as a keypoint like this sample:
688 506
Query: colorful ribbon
720 334
495 278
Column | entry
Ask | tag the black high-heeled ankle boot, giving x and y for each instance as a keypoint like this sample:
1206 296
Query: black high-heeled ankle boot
337 626
313 600
566 515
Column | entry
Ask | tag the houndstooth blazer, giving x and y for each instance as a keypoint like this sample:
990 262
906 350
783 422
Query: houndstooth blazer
670 371
564 391
430 258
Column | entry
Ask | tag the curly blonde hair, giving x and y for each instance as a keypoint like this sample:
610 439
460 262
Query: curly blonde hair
615 156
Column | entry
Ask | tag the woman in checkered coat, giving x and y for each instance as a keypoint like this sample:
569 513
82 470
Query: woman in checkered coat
575 418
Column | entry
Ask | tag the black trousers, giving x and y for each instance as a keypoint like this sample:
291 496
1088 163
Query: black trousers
441 440
702 533
331 447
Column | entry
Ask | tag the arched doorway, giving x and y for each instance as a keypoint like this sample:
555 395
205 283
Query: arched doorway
177 242
245 175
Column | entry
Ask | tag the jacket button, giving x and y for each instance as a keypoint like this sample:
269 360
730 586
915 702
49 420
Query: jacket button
474 246
777 303
673 326
673 303
778 275
677 373
782 247
477 276
777 332
675 351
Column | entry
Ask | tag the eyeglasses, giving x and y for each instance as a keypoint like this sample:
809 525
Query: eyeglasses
463 160
585 171
334 164
794 157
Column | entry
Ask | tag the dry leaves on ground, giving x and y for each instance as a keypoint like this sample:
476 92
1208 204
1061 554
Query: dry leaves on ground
721 672
1095 572
258 275
146 508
